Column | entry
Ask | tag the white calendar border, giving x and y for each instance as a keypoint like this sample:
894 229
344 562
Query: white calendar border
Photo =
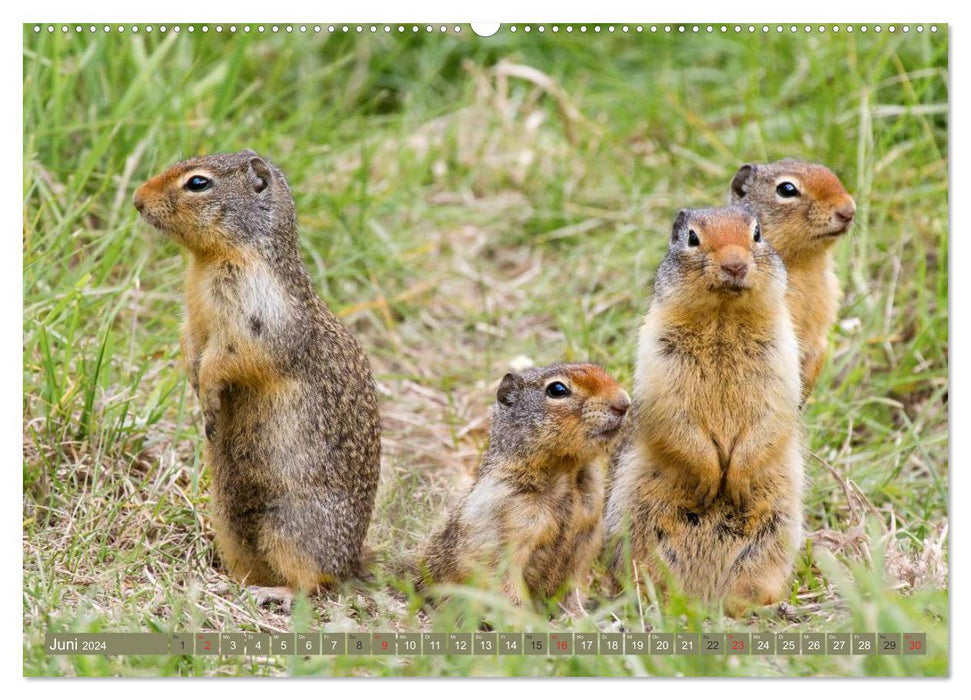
603 11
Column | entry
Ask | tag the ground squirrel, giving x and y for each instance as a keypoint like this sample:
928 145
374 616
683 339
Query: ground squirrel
804 209
291 416
708 481
532 521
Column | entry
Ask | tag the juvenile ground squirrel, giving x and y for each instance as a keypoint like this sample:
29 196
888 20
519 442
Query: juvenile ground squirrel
290 410
803 209
708 481
532 521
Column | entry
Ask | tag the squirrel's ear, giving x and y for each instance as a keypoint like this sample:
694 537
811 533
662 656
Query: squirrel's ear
679 223
740 181
508 388
259 173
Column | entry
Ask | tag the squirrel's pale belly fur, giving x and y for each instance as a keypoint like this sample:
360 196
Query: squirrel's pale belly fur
544 537
717 554
556 530
705 411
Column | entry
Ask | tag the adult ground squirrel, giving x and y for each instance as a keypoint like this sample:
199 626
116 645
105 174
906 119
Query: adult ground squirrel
532 521
290 409
803 209
708 481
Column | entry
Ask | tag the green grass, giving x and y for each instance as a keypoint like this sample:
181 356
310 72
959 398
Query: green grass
458 215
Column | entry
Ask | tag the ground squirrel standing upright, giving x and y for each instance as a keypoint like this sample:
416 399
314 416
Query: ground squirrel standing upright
708 482
804 209
290 409
532 521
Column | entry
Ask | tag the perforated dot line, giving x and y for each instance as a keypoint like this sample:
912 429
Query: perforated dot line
443 28
722 28
246 28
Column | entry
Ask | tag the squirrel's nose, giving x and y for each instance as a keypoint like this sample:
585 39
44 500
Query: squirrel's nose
620 404
846 213
139 200
735 268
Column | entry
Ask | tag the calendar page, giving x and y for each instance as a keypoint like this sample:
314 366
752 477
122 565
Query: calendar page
519 349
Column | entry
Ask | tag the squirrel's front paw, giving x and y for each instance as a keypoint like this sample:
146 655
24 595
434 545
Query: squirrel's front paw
210 410
705 490
194 381
572 604
192 361
738 486
513 591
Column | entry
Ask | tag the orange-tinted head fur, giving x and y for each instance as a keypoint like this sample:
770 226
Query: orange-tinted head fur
569 412
220 203
803 207
717 250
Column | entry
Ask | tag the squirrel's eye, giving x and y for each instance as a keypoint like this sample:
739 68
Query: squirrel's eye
198 183
787 190
758 233
693 239
557 390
